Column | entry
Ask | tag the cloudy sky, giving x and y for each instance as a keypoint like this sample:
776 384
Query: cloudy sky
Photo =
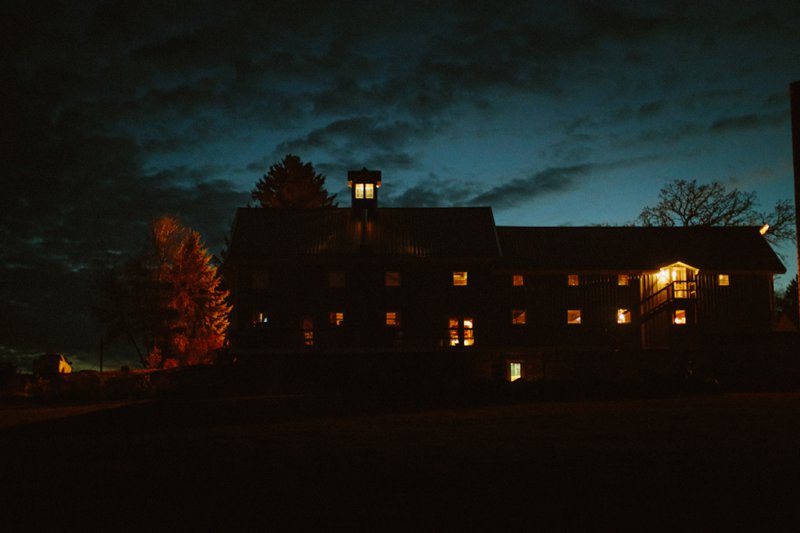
554 113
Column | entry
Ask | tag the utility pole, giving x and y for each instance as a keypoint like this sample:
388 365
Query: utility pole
794 94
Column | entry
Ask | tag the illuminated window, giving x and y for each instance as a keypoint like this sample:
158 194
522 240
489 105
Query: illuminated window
308 332
392 318
392 279
359 191
573 280
723 280
369 191
469 337
573 316
461 331
679 317
623 280
518 317
453 331
260 319
260 279
514 371
623 316
336 279
518 280
336 318
459 279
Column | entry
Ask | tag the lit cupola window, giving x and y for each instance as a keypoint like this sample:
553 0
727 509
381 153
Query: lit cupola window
364 197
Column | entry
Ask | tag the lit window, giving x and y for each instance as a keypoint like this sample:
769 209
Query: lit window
308 332
514 371
459 279
723 280
453 331
623 280
260 319
336 279
469 336
573 280
392 318
518 317
518 280
392 279
260 280
461 331
359 191
623 316
369 191
336 318
679 317
573 316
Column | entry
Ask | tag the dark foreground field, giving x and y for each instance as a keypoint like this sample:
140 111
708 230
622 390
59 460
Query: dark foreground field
270 463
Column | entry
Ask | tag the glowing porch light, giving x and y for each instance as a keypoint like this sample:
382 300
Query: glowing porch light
764 229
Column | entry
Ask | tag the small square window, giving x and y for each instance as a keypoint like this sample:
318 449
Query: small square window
518 317
573 280
260 279
260 319
723 280
514 371
623 280
336 318
518 280
459 279
623 316
359 191
369 191
336 280
391 279
679 317
392 318
573 316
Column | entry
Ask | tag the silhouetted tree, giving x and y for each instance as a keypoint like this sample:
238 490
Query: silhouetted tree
292 183
169 298
787 302
685 203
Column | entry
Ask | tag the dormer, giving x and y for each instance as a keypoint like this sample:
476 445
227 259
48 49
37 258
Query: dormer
364 185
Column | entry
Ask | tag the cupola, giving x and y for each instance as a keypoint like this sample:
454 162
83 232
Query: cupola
364 185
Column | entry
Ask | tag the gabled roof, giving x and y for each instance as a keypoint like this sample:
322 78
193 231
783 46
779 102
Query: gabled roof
638 248
270 234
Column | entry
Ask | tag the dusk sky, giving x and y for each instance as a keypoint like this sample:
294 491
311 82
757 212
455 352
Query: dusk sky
553 113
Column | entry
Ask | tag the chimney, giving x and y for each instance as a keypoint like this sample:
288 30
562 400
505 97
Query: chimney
794 92
364 185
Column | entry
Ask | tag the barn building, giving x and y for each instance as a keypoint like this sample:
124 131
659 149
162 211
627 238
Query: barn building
370 279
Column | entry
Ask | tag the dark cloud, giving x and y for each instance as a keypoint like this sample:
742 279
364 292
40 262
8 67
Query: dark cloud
521 190
747 122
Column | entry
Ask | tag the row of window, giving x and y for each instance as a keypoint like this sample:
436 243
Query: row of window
461 330
519 317
337 279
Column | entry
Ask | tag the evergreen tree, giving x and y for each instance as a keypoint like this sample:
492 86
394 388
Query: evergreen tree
292 183
169 298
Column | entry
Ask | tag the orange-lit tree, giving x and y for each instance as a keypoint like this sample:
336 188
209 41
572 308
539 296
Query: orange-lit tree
170 299
292 183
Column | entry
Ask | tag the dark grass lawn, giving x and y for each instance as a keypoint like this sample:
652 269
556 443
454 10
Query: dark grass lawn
701 463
